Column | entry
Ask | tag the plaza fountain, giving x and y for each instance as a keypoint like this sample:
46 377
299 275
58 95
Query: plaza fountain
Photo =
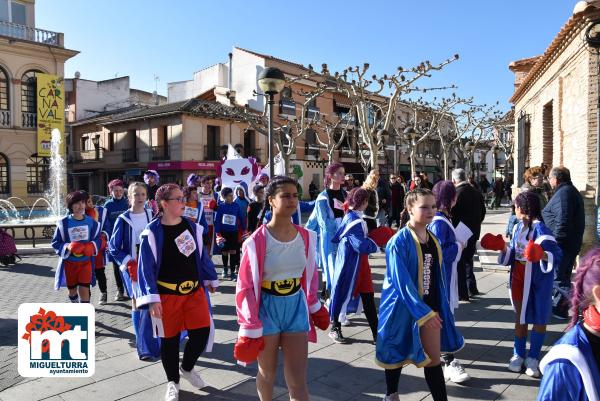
29 218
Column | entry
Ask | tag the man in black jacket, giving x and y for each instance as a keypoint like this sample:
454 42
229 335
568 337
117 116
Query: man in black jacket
470 209
564 215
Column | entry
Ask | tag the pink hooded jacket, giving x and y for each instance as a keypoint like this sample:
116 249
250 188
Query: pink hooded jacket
247 296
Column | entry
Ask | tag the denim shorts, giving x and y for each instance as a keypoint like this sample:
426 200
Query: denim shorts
283 314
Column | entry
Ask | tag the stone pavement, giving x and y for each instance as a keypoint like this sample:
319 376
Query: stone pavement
335 372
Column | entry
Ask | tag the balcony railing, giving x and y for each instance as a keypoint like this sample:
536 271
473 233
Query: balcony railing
4 118
29 120
86 156
129 155
159 153
19 31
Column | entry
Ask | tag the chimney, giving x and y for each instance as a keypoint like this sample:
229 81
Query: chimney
521 69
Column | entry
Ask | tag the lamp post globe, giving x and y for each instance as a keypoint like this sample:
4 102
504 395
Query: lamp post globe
271 81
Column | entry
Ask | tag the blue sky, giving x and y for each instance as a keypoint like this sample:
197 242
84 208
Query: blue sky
172 39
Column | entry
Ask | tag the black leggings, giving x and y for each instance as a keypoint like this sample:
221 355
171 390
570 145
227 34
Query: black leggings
118 278
169 352
101 279
434 376
368 301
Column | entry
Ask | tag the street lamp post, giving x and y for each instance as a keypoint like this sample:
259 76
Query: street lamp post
271 81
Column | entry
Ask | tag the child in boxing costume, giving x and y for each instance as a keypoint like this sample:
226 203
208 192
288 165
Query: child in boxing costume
329 214
124 248
99 214
193 208
572 367
352 273
531 255
175 275
442 228
276 295
76 242
415 321
229 222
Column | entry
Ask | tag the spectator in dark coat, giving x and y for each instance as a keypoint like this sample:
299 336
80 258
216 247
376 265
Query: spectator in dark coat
564 215
470 210
484 184
498 193
397 202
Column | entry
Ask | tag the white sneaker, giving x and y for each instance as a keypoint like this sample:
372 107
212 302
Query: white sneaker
392 397
516 364
532 367
193 377
172 392
455 372
346 322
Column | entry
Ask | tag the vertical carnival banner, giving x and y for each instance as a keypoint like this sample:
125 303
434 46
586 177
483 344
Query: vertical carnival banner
50 111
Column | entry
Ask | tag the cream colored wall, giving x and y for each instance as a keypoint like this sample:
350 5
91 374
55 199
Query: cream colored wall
18 143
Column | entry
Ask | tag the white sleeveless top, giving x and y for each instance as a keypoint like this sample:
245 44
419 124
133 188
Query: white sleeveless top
284 260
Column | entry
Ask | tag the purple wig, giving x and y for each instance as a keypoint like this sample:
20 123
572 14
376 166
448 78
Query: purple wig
529 203
444 193
330 171
151 173
587 276
357 197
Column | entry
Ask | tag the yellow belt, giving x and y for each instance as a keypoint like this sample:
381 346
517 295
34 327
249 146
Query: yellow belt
282 287
183 288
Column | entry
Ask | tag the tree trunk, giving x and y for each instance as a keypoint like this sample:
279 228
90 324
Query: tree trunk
446 151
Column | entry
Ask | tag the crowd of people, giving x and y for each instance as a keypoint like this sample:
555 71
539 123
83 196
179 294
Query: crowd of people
161 239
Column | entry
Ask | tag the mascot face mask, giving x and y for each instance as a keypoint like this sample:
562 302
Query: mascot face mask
235 171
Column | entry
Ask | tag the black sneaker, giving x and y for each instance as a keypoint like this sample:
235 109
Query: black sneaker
336 335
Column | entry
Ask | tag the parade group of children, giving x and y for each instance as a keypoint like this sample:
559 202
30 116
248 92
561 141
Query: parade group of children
163 259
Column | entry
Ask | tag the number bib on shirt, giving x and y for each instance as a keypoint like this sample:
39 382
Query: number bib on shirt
208 213
191 213
78 233
229 219
185 243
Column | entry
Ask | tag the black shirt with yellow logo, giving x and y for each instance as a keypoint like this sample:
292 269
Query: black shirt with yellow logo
178 274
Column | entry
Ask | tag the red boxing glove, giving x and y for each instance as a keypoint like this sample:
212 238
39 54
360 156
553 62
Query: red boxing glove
132 268
247 349
533 252
88 249
75 248
381 235
493 242
212 204
321 318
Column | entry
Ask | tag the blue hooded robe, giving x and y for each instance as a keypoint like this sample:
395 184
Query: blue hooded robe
327 227
122 249
352 242
150 260
570 369
402 310
61 241
443 230
539 277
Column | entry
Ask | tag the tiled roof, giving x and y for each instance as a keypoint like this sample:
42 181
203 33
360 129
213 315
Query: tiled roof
568 32
105 115
195 107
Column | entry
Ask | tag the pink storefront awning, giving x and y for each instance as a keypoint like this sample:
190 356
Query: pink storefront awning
183 165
